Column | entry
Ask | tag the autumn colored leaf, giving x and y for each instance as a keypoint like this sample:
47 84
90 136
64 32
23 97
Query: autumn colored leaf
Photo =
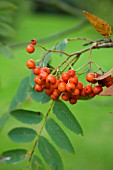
110 72
100 25
107 92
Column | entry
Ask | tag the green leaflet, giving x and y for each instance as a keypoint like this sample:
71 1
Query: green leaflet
27 116
49 154
58 135
39 96
22 135
61 46
63 113
36 163
6 30
21 94
6 51
14 156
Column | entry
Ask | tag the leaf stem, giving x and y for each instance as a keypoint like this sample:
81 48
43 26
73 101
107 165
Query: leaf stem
40 132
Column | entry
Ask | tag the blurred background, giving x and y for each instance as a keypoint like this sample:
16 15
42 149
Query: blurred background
50 22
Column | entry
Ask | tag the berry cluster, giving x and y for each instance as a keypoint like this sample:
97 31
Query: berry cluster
67 85
30 48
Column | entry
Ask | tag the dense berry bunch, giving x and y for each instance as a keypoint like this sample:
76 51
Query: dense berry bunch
67 86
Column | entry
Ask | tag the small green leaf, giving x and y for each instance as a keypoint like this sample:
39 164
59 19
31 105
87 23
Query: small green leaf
63 113
6 51
4 5
22 135
58 135
14 156
27 116
21 94
6 30
39 96
61 46
37 163
49 154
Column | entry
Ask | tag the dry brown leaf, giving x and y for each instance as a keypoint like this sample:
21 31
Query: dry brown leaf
110 72
100 25
107 92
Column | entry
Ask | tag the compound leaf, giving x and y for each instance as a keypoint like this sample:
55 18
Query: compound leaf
27 116
58 135
22 135
63 113
49 154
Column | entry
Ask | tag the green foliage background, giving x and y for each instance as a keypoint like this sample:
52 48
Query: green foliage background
95 149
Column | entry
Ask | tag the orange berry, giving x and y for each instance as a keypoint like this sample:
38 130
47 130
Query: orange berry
90 78
33 41
72 101
70 87
51 79
30 64
71 73
88 89
73 80
36 70
38 88
62 87
65 76
97 89
30 48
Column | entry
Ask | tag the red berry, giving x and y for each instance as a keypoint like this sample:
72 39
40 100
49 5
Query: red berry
71 73
97 89
88 89
72 101
92 94
90 78
65 97
33 41
39 80
30 48
79 85
62 87
30 64
54 97
65 76
70 87
108 84
51 79
76 92
36 70
83 93
49 91
46 69
43 75
38 88
56 92
73 80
